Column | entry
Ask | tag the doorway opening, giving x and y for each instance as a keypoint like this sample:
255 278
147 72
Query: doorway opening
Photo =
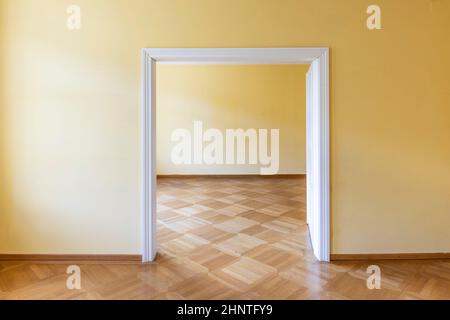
317 143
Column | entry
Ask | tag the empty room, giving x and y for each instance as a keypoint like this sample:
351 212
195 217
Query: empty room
231 163
240 150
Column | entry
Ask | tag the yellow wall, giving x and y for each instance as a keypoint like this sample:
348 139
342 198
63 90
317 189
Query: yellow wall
70 115
232 97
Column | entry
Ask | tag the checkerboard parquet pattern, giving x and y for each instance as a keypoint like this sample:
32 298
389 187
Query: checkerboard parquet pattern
230 238
237 217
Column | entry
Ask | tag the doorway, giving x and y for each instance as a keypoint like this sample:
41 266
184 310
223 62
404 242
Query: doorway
317 130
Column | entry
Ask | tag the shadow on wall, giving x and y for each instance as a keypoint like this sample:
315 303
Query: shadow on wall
4 178
67 116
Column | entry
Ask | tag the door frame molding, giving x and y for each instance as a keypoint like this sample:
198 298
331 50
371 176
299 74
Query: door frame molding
151 56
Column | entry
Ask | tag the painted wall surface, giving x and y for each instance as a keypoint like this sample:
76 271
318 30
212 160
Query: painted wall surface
70 115
232 97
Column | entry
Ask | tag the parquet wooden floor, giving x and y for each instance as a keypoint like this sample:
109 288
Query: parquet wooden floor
230 238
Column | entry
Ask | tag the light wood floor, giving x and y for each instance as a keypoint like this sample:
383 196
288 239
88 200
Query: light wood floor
230 238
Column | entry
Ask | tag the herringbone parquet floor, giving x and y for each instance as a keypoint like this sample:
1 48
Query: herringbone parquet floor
230 238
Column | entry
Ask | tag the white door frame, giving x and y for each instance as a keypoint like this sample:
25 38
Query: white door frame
319 150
